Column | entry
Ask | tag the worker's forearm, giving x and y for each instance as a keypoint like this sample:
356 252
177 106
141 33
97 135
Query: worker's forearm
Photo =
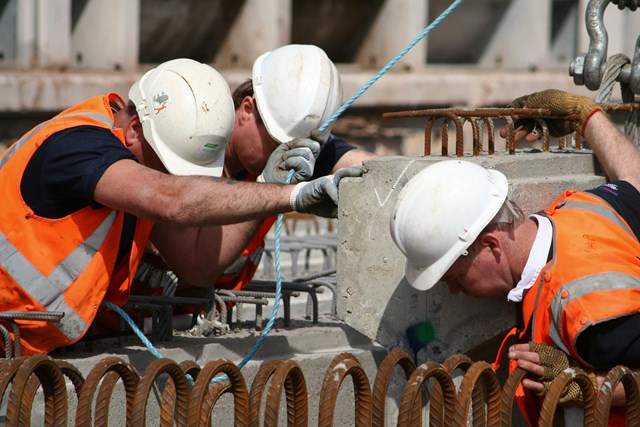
619 157
212 201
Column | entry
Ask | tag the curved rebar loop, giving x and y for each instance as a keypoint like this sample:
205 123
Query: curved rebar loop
167 407
479 372
511 135
146 382
342 365
53 387
381 383
491 139
201 405
410 412
545 134
8 369
436 406
428 128
507 396
257 390
289 375
617 375
33 384
477 135
8 344
102 369
552 398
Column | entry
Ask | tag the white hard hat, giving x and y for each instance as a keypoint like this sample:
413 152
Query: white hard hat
187 115
439 214
297 89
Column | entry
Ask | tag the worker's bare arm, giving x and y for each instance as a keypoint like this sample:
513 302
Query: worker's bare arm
619 157
200 255
187 200
353 157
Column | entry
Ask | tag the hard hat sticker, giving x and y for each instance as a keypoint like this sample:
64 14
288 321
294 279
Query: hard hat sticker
211 146
160 102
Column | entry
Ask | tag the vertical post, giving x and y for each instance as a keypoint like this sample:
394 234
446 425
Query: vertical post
520 42
260 27
398 22
106 35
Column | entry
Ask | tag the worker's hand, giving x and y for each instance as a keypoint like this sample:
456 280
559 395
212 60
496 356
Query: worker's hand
631 4
561 103
546 363
299 154
320 196
320 137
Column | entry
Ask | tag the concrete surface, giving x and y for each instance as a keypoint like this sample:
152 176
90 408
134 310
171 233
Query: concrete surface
373 295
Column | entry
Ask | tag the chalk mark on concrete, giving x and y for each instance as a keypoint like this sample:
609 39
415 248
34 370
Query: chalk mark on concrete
393 187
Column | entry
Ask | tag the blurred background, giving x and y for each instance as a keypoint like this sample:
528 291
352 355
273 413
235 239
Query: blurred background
54 53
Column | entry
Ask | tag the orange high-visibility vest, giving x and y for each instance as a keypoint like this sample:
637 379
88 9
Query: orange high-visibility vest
593 276
241 272
65 264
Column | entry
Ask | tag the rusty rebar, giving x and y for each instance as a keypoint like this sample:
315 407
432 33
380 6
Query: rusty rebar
479 390
343 365
381 383
487 116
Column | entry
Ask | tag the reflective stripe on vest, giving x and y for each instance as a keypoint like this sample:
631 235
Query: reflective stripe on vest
102 118
49 291
600 210
577 289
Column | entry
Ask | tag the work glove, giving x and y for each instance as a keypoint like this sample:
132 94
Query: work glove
320 196
299 154
631 4
562 103
554 361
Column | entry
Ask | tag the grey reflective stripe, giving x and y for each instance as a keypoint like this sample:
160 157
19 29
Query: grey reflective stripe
49 291
600 210
100 117
240 263
579 288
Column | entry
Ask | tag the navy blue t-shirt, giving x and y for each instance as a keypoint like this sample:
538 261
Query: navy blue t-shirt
617 341
62 175
334 148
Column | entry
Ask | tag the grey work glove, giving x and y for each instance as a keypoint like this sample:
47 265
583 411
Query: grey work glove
320 196
554 361
299 154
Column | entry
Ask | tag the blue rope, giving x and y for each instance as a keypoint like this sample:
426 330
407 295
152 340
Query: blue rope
278 295
391 63
265 332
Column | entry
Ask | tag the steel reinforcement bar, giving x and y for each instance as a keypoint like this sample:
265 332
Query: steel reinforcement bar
189 394
483 122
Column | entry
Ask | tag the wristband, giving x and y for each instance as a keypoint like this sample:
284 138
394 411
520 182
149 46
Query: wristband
586 120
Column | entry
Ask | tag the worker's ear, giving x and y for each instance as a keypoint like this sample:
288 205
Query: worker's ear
133 131
491 241
247 109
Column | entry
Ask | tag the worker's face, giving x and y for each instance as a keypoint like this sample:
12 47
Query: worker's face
481 274
253 145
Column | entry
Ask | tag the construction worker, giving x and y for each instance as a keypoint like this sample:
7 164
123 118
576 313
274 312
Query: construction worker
84 192
294 90
573 269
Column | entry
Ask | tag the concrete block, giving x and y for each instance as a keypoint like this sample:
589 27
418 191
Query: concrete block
373 295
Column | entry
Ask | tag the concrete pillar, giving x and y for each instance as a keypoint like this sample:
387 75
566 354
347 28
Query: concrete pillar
261 26
514 30
373 295
398 22
35 33
106 35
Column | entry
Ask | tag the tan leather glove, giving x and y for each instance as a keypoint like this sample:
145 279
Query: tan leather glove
563 103
554 362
